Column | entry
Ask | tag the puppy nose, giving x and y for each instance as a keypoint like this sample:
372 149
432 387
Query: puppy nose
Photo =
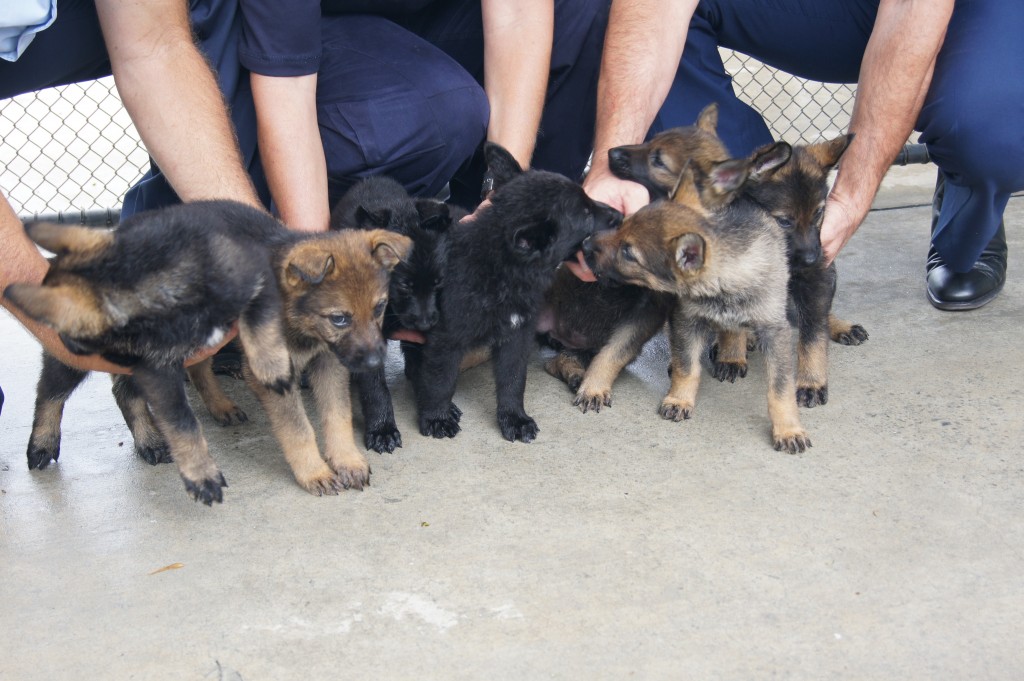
617 158
809 257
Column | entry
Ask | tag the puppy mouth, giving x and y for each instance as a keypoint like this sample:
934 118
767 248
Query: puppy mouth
579 267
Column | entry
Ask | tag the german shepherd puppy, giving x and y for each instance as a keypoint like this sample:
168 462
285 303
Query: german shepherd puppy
499 267
334 289
795 195
146 296
380 202
728 268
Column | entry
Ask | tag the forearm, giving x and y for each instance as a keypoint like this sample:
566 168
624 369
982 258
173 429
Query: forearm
643 46
517 58
172 97
291 149
895 74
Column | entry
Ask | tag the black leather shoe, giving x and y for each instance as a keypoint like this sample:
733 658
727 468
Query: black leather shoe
949 290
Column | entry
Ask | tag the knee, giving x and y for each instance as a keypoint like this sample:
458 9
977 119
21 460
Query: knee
979 138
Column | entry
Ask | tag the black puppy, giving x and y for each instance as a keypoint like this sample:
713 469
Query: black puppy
380 202
499 267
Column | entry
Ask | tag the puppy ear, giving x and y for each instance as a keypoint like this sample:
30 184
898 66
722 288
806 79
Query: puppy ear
533 238
307 263
769 158
502 165
62 240
434 214
827 154
372 219
707 119
389 248
73 309
685 191
690 252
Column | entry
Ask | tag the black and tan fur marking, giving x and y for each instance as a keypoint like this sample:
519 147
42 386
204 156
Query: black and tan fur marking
729 271
147 295
334 289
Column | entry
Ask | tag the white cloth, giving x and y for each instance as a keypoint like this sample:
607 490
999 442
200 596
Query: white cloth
20 20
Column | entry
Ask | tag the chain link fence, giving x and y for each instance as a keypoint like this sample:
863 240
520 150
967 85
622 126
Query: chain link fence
74 148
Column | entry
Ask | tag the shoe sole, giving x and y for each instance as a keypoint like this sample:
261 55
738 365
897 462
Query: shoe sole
965 305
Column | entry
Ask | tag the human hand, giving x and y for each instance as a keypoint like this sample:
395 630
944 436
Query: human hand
837 226
623 195
483 204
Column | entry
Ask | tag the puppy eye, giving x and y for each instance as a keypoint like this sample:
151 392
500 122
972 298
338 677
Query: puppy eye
784 221
656 160
819 214
340 320
627 253
379 310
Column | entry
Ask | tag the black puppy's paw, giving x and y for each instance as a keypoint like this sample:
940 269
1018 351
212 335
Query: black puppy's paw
812 396
724 371
207 490
384 438
40 456
446 425
154 453
855 335
515 426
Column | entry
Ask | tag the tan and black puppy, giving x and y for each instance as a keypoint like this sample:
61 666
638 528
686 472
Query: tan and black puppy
146 296
795 196
729 270
335 290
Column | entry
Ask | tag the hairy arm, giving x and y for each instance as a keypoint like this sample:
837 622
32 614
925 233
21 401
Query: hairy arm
642 49
895 74
517 58
172 97
291 149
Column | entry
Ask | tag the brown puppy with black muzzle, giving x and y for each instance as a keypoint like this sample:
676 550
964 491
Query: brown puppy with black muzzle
728 268
334 289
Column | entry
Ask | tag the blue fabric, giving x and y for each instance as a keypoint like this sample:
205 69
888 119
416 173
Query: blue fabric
20 20
970 120
280 38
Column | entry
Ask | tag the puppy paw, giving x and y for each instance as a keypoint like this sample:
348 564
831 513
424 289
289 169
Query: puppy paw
354 476
229 414
322 481
675 410
726 370
383 439
811 396
207 490
791 441
446 425
517 427
588 400
855 335
40 456
154 453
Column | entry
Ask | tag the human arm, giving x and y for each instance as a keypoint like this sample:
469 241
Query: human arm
173 100
642 49
895 74
517 58
291 149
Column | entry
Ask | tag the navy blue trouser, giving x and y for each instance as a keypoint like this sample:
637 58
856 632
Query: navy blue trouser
971 119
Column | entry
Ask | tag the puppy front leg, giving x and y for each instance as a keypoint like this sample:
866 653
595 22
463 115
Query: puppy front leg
295 434
436 375
329 380
380 430
622 348
150 445
261 332
686 344
787 433
164 390
56 383
510 360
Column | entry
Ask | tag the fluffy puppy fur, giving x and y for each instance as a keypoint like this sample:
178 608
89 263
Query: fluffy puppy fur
499 266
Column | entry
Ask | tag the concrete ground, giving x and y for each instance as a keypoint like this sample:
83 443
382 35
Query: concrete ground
616 546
